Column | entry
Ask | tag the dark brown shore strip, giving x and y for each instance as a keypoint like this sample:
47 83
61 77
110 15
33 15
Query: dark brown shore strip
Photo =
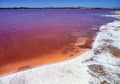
84 8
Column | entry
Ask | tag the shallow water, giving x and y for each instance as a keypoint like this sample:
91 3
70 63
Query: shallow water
26 33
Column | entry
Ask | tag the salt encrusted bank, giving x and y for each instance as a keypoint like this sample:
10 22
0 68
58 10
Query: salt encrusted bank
100 65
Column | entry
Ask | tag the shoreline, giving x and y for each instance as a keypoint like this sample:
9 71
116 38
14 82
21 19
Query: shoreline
98 65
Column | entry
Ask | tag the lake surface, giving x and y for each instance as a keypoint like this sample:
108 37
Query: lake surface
29 33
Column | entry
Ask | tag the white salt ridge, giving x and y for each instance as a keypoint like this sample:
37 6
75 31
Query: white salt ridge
96 66
114 16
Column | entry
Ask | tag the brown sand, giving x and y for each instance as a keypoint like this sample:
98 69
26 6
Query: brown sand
118 12
65 53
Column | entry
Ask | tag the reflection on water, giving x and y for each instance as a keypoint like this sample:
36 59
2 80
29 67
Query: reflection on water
32 33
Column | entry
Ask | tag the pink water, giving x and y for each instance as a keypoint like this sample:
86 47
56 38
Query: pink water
26 33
